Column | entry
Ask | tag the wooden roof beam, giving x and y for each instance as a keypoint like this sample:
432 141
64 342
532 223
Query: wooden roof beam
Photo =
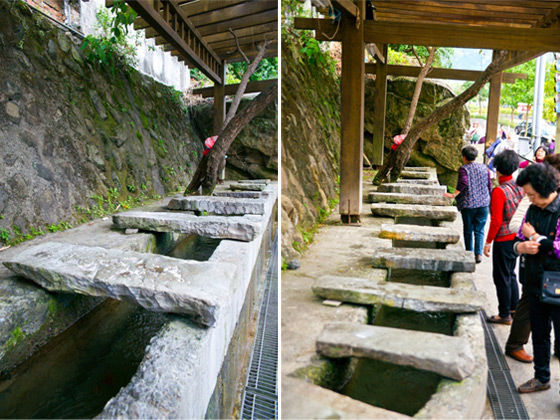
192 46
241 22
252 87
457 36
440 73
233 12
346 7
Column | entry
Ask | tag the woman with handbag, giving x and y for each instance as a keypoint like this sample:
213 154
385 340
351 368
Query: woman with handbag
539 239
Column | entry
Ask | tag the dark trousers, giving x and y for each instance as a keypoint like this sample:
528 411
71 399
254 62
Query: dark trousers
473 222
542 314
521 327
505 280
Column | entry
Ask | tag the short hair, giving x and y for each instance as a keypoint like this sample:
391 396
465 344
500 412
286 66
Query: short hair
469 152
553 160
545 150
543 178
506 162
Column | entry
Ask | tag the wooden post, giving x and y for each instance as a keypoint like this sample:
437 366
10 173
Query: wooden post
352 116
493 114
220 101
379 107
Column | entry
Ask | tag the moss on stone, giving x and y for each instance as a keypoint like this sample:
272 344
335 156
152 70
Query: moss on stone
328 373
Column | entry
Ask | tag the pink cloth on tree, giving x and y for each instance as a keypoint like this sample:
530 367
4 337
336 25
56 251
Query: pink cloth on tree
208 144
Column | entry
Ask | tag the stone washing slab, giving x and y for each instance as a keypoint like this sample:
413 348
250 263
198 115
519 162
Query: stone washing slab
420 168
243 228
247 187
420 233
254 181
445 355
155 282
401 198
218 205
398 295
411 210
403 187
239 194
424 259
415 175
430 181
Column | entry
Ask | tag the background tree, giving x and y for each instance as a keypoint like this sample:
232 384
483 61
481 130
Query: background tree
549 112
206 174
522 90
396 161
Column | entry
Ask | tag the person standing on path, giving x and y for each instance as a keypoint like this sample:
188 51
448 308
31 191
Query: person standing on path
473 198
505 199
539 240
521 326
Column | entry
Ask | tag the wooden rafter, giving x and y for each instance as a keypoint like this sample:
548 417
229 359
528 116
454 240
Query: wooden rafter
233 12
169 21
239 23
347 7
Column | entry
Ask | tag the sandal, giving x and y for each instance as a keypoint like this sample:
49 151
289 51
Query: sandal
497 319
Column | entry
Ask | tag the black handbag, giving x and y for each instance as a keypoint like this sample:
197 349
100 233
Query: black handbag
550 292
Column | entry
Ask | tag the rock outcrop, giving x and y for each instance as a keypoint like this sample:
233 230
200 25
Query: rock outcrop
441 145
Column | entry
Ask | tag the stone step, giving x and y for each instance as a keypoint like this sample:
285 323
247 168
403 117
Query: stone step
415 175
417 233
403 187
424 259
402 198
445 355
218 205
247 186
243 228
410 210
240 194
155 282
406 296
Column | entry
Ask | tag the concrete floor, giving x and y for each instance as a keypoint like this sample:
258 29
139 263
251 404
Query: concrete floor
344 250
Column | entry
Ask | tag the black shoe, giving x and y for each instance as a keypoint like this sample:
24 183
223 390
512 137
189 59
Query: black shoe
478 259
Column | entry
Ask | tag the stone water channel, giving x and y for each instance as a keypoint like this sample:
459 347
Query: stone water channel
393 326
72 347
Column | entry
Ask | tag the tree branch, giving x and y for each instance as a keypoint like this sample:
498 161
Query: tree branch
238 47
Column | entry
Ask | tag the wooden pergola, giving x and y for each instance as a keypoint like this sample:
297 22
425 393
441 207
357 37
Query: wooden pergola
208 34
527 29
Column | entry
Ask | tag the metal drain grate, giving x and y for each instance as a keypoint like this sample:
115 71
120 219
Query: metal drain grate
502 392
260 399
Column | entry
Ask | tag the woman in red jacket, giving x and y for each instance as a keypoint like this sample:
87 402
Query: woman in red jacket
504 202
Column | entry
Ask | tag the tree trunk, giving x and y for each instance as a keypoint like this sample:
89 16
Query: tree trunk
418 88
201 170
398 158
230 132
